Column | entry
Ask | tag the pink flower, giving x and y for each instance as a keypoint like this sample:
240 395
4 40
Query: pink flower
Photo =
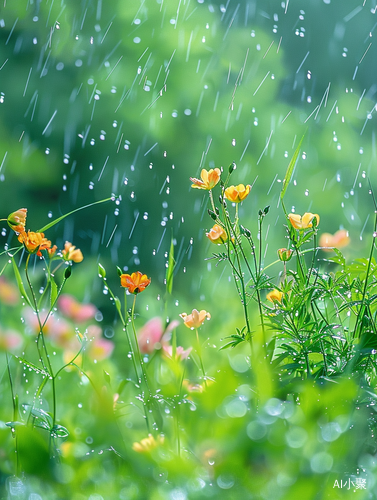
152 335
74 310
180 353
59 331
100 349
9 294
9 340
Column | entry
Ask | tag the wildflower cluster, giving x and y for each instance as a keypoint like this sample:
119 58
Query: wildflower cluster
313 322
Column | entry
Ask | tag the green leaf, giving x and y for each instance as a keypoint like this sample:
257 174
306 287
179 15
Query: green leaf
54 291
170 269
59 431
33 366
43 419
101 271
20 283
122 385
106 377
50 224
40 388
290 169
118 305
337 258
236 339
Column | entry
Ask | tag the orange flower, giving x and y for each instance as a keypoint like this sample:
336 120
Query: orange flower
217 234
237 193
70 252
148 444
195 319
209 179
338 240
275 296
36 242
304 222
136 282
17 220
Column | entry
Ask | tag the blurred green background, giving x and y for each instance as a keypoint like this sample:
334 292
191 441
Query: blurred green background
133 98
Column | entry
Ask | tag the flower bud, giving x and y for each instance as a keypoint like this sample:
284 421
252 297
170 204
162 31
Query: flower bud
101 271
284 254
17 220
232 167
212 214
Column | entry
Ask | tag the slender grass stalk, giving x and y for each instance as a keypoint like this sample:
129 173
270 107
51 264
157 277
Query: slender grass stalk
144 373
199 351
361 311
15 415
41 325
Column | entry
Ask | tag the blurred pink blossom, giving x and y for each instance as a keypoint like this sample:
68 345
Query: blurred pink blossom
152 335
100 348
9 294
56 329
180 352
74 310
9 340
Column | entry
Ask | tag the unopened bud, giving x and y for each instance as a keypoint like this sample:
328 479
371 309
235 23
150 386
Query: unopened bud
284 254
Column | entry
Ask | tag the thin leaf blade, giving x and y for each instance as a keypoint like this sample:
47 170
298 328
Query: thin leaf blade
290 169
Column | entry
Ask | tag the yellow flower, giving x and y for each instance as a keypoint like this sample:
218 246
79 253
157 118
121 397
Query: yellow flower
237 193
274 296
147 444
217 234
36 242
196 318
17 220
209 179
70 252
338 240
136 282
304 222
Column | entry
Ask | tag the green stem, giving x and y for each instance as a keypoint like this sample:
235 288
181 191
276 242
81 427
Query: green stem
44 346
362 308
15 415
313 258
199 351
144 373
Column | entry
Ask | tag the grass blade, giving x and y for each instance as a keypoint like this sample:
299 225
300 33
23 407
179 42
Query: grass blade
290 169
47 226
